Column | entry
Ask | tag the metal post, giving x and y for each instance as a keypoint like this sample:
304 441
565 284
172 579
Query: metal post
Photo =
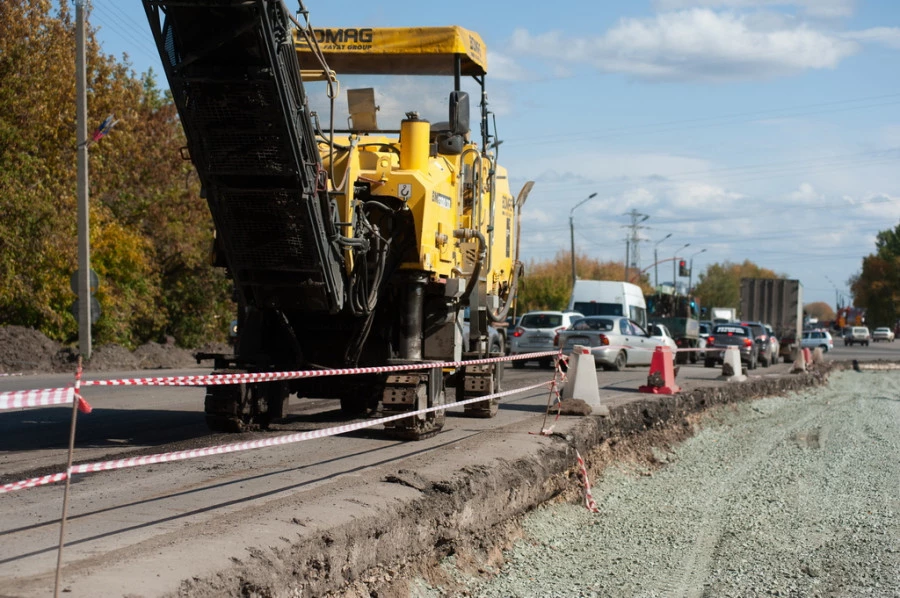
572 233
656 260
691 272
572 236
84 247
627 256
674 271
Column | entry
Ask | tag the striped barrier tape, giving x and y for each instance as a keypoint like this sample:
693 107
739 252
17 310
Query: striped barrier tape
588 497
248 445
44 397
216 379
31 483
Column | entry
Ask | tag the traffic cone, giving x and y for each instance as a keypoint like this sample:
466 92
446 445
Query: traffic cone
581 380
661 380
732 370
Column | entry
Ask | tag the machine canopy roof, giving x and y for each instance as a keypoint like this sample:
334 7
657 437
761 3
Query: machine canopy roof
395 50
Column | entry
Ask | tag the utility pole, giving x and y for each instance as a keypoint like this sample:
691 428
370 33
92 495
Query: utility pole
572 233
84 245
634 261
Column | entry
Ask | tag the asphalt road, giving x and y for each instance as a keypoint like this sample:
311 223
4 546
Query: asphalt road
118 518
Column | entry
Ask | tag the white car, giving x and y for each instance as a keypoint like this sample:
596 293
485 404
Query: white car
536 332
659 331
882 333
817 338
615 341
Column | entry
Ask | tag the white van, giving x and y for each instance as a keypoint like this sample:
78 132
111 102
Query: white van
609 298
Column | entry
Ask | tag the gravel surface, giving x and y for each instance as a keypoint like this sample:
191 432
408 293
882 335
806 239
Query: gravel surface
786 496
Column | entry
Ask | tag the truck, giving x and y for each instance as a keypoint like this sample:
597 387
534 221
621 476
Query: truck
609 298
681 315
779 303
349 244
721 315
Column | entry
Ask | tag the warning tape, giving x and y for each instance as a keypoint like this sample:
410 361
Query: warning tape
248 445
47 479
216 379
588 497
36 398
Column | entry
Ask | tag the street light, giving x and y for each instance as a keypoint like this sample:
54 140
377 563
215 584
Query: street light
572 232
674 274
656 260
691 272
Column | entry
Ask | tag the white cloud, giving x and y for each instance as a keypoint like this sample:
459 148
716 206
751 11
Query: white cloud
886 36
533 215
695 44
702 196
815 8
505 68
806 193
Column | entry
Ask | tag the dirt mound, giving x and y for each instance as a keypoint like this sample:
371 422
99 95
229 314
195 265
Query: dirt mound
25 350
155 356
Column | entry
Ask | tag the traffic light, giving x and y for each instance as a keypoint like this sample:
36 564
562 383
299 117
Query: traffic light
682 268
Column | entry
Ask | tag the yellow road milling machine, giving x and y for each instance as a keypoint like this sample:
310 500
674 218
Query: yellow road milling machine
349 244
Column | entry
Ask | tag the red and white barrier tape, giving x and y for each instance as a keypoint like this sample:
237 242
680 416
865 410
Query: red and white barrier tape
588 497
215 379
36 398
249 445
559 380
47 479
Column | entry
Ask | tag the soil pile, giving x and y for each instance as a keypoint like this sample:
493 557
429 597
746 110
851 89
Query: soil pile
27 351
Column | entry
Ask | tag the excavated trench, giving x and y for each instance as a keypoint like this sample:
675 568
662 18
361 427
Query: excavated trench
475 515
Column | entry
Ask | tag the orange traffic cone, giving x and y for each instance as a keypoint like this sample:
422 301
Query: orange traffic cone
661 380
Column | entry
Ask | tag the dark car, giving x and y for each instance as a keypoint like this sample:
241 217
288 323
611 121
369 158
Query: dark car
731 335
767 351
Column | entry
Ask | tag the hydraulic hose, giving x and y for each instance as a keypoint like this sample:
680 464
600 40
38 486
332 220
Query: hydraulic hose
466 234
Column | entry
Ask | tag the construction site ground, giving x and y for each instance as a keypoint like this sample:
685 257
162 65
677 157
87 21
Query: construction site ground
351 515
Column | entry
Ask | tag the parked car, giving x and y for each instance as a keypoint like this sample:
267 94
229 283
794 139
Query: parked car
818 338
662 332
734 334
766 355
705 331
859 335
882 333
616 341
774 342
535 334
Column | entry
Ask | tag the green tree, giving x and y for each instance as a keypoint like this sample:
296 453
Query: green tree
720 284
548 284
150 229
877 287
820 310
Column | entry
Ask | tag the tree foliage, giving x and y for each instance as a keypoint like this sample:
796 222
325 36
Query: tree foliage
720 284
820 310
877 287
548 285
150 230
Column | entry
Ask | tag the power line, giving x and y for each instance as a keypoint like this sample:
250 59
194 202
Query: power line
727 119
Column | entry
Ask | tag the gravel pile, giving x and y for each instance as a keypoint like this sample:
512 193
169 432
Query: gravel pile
789 496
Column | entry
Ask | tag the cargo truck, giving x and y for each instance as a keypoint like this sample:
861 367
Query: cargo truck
778 302
681 315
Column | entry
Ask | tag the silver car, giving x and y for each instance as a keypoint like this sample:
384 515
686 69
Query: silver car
616 342
535 334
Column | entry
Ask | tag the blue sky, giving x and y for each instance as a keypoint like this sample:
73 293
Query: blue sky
752 129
